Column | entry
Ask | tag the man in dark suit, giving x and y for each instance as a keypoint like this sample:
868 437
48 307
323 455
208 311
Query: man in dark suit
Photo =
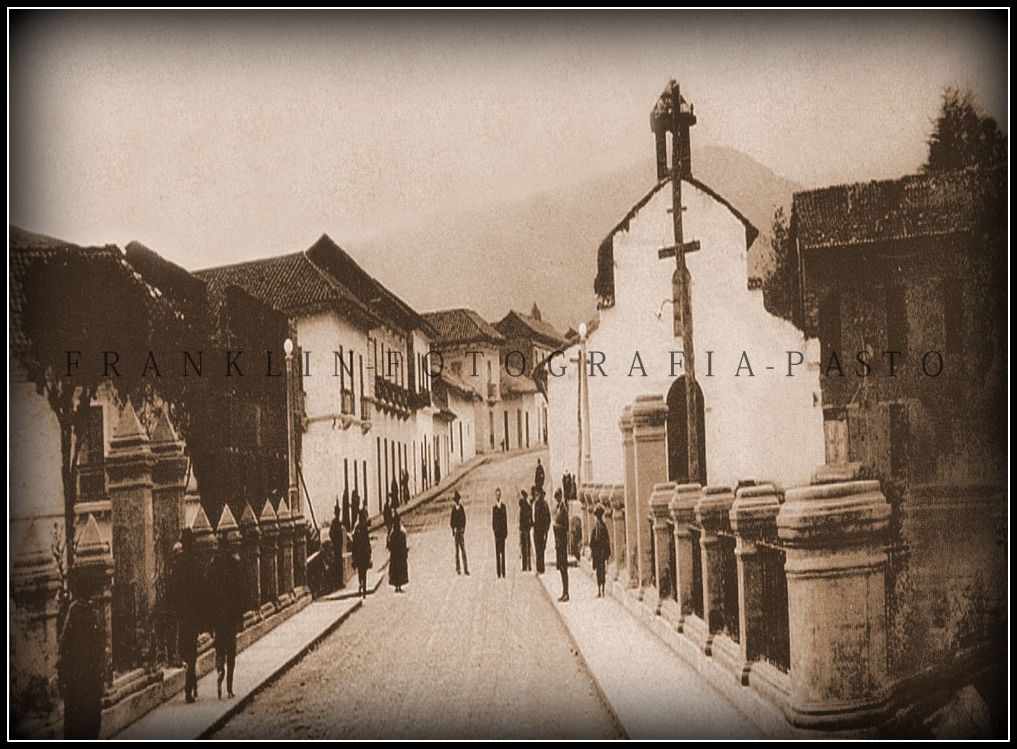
561 543
499 523
541 525
525 524
458 523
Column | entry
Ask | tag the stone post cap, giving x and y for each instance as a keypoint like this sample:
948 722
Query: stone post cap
660 499
713 508
625 422
754 512
617 496
90 549
128 431
165 439
267 521
227 525
832 514
249 522
283 516
683 503
649 411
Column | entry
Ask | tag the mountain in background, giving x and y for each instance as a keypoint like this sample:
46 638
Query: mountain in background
544 249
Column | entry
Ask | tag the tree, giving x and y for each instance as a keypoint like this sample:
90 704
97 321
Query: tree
77 303
963 136
780 287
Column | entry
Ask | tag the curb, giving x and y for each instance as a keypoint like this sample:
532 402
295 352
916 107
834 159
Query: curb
288 664
615 720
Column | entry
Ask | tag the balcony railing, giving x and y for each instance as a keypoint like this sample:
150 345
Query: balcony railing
392 398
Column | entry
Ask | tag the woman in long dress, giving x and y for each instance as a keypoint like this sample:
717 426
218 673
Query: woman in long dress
398 572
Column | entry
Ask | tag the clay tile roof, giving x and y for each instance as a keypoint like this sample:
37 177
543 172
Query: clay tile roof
915 205
290 283
462 326
539 328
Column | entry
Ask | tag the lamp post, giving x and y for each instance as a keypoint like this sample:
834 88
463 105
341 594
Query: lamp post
586 472
293 495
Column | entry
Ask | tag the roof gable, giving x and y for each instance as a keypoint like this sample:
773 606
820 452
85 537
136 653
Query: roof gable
462 326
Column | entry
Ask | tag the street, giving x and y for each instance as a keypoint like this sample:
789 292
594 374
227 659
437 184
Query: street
453 656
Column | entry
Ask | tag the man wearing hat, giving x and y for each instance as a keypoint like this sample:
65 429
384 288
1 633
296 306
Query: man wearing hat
525 524
561 543
458 524
600 548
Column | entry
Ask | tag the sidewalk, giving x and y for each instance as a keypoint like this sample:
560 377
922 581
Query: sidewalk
256 667
652 692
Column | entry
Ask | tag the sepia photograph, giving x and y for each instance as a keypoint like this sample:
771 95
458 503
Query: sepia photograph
693 325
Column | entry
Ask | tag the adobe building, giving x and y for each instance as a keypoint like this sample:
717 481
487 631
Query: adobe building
366 414
470 353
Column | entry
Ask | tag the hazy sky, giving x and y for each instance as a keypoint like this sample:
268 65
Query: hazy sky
219 137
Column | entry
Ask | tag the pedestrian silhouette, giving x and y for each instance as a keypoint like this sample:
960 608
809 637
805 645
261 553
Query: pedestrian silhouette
525 524
398 569
188 593
561 542
541 526
458 524
80 669
499 523
226 582
600 549
361 551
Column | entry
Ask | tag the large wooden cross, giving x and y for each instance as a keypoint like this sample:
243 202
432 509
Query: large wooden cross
672 114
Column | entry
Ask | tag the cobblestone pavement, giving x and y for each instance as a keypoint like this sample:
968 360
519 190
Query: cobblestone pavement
452 656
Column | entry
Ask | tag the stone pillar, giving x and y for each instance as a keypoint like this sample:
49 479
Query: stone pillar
630 513
683 515
285 522
836 567
130 465
660 501
753 519
33 610
300 526
712 513
269 528
649 431
169 481
250 541
92 577
618 529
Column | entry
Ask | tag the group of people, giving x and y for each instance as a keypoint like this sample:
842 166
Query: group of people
534 517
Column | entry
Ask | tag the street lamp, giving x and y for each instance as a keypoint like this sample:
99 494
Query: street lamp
293 497
586 463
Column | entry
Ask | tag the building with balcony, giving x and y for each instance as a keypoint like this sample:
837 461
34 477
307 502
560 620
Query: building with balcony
366 411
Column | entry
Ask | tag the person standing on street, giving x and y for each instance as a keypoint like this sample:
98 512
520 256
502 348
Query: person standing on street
337 535
458 523
499 523
80 668
561 543
226 581
361 551
538 478
398 555
525 524
541 526
188 594
600 549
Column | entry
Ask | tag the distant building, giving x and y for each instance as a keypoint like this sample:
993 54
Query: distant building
529 343
470 353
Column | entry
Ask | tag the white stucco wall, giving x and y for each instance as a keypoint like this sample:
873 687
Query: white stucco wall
768 426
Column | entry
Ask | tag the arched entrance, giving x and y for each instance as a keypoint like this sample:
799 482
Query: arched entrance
677 434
